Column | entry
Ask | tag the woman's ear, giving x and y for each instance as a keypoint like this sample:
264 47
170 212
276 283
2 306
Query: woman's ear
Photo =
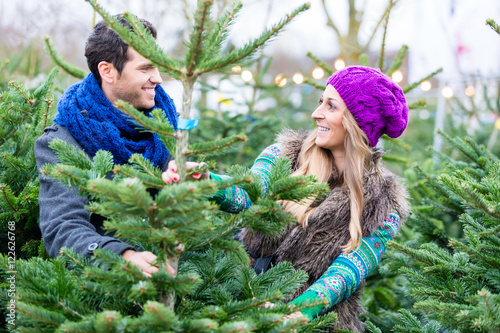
107 71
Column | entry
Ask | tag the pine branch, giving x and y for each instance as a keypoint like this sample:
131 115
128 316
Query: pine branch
141 168
41 315
479 151
428 226
459 146
421 103
381 59
420 255
251 47
70 155
142 32
414 85
149 50
26 113
23 92
195 49
218 145
397 142
314 84
131 172
432 182
46 113
220 31
363 60
70 69
158 123
42 92
173 194
4 64
398 60
493 25
321 64
8 197
413 325
478 253
389 7
233 222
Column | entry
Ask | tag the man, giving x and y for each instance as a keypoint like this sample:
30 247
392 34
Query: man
87 119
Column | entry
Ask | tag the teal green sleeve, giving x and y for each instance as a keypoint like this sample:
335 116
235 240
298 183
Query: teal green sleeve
347 271
234 199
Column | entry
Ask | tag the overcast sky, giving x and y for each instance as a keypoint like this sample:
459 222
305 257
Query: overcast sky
440 33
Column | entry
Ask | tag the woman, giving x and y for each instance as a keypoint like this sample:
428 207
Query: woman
341 239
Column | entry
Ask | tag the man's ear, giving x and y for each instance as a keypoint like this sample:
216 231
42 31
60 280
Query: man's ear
107 71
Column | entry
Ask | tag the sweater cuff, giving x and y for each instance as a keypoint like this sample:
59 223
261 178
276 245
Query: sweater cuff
312 311
112 245
220 195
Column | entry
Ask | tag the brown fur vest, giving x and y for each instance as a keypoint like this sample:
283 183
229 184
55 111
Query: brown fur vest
314 248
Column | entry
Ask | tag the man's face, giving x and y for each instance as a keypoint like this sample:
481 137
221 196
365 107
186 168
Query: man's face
136 83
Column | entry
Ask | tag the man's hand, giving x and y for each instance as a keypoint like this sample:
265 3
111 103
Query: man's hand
171 174
143 261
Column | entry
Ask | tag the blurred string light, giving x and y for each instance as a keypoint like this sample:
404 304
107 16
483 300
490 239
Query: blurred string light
236 69
280 80
339 64
246 75
397 76
318 73
470 91
425 85
447 92
298 78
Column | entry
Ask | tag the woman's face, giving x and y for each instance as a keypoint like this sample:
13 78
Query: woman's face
328 116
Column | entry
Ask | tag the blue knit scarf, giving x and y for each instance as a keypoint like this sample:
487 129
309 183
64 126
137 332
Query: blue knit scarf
106 127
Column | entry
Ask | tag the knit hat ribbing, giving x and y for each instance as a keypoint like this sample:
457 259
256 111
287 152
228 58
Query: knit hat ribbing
374 99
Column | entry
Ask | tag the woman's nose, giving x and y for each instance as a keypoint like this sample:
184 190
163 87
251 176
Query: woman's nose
317 114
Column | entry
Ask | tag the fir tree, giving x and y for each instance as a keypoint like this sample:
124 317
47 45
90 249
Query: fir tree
213 289
456 280
24 115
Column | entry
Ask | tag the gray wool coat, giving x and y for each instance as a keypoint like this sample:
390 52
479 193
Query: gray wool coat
314 248
64 220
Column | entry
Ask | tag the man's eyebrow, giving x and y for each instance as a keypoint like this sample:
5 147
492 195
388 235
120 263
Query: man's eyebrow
145 63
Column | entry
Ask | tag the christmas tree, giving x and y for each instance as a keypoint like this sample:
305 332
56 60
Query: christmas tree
455 280
212 288
24 115
450 267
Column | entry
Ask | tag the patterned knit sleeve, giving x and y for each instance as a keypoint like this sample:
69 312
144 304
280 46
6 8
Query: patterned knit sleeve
347 271
234 199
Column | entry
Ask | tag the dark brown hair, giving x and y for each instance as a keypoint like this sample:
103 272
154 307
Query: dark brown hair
104 44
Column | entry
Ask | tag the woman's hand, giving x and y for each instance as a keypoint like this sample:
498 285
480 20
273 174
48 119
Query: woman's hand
171 174
295 315
291 316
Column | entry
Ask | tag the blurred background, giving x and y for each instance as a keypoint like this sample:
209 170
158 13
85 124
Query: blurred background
269 94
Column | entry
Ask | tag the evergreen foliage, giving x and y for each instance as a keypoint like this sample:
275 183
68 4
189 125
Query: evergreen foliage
243 115
24 114
454 280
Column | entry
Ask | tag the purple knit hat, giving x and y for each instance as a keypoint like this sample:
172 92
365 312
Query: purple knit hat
374 99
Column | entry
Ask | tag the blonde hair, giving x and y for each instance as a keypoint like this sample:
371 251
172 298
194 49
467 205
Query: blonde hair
317 161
